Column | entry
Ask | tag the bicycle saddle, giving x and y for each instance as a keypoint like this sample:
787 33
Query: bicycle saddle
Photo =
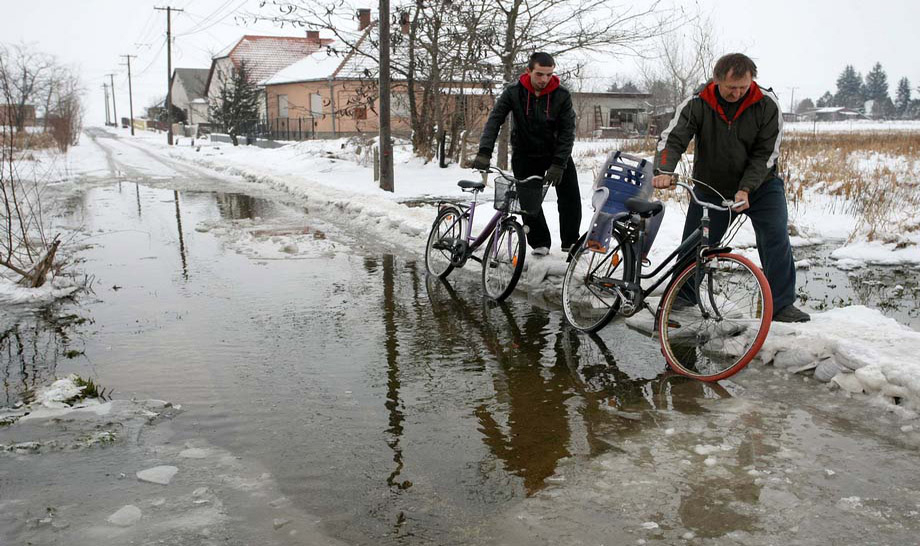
643 208
471 185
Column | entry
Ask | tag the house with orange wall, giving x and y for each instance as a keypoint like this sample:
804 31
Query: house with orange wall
333 92
264 56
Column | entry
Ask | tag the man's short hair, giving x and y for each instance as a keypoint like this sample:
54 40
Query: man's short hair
736 64
540 58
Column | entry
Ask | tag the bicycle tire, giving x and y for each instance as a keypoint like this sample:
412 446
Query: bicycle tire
503 260
439 261
587 306
715 342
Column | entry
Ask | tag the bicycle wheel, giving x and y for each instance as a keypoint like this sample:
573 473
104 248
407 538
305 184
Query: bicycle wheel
716 339
445 235
503 260
587 303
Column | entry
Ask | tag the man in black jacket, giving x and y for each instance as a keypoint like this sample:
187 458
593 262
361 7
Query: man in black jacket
737 128
542 137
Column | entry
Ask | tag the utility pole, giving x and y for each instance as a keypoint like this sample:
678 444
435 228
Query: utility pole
168 10
114 109
792 99
105 88
130 92
386 146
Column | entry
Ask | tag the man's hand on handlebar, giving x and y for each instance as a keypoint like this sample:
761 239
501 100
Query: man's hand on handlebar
663 181
481 163
742 195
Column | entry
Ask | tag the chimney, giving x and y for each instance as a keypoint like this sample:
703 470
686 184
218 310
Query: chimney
364 18
404 21
313 35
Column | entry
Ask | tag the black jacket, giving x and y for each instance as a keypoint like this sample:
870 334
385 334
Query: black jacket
730 154
543 126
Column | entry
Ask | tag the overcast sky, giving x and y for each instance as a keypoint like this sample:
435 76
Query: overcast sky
801 44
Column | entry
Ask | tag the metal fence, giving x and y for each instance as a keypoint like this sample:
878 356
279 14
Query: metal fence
280 129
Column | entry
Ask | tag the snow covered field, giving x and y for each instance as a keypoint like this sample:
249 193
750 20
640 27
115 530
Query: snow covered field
855 348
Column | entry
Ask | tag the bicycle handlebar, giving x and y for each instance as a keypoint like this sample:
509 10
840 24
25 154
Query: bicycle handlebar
681 180
507 176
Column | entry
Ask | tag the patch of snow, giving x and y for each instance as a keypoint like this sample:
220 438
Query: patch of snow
159 474
126 516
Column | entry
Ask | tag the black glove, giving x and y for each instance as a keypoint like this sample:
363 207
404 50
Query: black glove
553 175
481 163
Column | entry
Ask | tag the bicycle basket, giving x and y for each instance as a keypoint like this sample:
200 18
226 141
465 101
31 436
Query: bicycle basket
519 197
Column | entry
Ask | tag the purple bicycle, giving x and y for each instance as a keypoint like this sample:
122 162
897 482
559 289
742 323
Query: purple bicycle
451 244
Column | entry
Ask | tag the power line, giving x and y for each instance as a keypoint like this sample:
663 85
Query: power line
198 28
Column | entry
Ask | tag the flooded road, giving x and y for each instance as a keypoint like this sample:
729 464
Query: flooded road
386 407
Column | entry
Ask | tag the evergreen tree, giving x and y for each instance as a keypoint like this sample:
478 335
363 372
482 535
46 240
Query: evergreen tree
902 99
826 100
849 89
237 104
877 84
805 105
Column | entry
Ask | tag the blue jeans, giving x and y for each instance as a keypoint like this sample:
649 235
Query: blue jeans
770 219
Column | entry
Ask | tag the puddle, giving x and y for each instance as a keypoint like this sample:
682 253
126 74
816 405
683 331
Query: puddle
895 291
400 409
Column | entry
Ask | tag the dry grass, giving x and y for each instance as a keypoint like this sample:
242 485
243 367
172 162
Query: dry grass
874 175
27 141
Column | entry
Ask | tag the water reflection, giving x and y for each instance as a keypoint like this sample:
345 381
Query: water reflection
238 206
31 350
555 390
182 255
393 404
894 291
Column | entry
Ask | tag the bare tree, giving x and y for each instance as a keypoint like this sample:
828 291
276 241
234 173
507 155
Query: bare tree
446 46
65 115
29 78
685 59
25 75
563 26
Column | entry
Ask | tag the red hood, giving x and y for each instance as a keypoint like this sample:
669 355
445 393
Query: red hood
550 87
709 95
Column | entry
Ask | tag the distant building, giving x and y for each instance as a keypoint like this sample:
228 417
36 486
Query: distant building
611 114
832 113
264 57
17 115
189 93
334 92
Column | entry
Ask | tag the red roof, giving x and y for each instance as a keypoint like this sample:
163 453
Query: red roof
266 55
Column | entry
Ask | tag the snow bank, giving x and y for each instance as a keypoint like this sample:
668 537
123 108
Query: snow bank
857 349
13 294
853 126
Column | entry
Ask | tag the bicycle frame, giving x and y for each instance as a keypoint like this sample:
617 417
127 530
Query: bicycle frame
468 212
698 239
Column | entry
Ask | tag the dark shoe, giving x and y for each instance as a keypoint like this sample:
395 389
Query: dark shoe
541 251
791 313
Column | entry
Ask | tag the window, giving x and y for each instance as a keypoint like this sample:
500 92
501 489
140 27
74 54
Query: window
400 105
282 106
316 105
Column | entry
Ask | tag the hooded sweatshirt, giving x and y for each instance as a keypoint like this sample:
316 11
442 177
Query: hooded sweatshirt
732 153
543 126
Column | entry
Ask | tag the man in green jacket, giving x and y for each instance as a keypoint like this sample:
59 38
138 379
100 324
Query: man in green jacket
737 128
542 137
